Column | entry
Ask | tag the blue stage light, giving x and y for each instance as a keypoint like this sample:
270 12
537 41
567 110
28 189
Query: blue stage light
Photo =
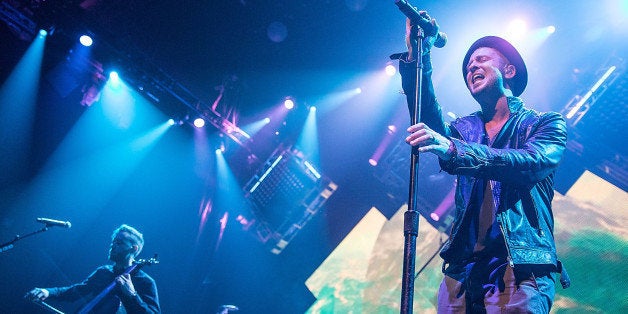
86 40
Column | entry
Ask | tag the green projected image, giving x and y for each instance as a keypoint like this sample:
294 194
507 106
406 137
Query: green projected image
363 274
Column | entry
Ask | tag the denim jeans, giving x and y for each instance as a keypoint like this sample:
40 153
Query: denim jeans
492 286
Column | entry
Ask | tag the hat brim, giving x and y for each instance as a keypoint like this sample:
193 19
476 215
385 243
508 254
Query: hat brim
520 80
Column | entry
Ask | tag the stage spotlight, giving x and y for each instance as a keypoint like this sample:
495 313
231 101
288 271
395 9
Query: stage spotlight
47 31
266 120
114 80
516 29
170 121
551 29
373 162
114 76
199 122
358 90
391 70
220 147
313 109
288 103
85 40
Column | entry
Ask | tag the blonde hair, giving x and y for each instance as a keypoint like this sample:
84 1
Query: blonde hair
136 235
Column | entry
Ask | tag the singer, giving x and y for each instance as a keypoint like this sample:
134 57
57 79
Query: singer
134 293
500 256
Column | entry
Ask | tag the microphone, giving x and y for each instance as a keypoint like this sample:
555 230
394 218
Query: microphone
416 18
52 222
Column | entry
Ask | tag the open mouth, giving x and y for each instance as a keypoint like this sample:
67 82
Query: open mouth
476 77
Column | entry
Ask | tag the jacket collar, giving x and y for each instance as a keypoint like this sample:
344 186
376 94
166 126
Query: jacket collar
515 104
471 128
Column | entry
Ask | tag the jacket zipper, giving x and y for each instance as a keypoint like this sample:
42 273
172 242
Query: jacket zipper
500 218
509 256
500 221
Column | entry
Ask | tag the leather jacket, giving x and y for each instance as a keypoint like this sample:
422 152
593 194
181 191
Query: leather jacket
520 164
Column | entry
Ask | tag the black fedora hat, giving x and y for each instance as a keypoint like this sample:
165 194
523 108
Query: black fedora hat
520 80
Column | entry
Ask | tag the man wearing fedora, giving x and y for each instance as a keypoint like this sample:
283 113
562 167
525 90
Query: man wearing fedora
500 255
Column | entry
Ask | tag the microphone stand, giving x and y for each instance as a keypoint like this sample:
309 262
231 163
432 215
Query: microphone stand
411 216
9 245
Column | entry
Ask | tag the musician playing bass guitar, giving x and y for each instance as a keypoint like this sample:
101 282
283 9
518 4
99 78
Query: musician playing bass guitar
118 288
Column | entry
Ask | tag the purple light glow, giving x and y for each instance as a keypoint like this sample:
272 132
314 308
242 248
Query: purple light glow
223 225
246 224
445 204
204 210
390 130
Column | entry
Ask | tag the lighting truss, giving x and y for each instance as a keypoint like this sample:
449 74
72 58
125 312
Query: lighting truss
155 84
596 124
285 194
579 105
20 24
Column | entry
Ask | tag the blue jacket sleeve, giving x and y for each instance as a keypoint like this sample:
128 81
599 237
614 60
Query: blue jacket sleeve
431 113
85 288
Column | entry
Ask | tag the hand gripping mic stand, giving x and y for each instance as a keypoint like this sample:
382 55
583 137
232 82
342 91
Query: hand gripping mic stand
411 216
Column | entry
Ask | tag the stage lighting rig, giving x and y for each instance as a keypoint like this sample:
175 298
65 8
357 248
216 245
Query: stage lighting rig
285 194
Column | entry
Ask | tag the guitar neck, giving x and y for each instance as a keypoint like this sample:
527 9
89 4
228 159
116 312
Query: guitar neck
130 269
89 306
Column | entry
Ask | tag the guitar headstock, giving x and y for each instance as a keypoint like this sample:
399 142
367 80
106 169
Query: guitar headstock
151 261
